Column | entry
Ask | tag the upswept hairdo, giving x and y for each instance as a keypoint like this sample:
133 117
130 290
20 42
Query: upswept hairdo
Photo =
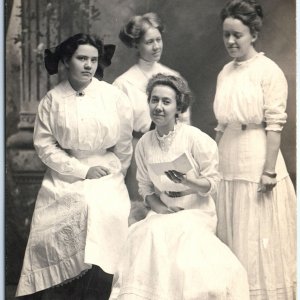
136 27
249 12
184 97
65 50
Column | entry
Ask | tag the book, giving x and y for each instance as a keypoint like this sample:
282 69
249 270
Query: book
181 164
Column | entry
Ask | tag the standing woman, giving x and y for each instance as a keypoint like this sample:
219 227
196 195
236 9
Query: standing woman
256 202
174 253
83 135
144 35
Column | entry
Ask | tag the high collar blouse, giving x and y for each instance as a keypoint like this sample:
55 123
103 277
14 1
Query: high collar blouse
68 123
201 150
253 91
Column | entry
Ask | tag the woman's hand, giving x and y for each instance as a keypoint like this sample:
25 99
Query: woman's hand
197 184
266 184
176 176
97 172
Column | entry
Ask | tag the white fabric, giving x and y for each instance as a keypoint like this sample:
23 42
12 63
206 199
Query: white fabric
259 228
177 256
134 82
78 222
252 91
203 154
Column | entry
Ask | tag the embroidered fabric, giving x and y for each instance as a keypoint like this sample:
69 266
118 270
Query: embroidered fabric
166 140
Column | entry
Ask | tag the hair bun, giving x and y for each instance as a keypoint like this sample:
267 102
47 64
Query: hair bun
259 11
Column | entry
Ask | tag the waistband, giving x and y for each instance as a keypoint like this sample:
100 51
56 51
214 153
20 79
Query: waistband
173 194
247 126
85 153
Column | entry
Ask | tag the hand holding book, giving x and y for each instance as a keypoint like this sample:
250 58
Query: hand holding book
181 164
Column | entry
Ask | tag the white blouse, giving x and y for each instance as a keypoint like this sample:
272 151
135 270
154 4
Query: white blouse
134 82
253 91
100 119
201 150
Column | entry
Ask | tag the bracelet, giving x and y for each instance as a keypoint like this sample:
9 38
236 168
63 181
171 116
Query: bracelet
270 174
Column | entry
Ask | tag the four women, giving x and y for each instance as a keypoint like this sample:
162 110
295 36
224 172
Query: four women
83 133
256 201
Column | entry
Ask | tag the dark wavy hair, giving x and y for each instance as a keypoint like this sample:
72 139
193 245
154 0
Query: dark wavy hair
184 97
249 12
64 52
134 30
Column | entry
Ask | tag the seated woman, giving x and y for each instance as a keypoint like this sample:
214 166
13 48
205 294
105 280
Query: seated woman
174 253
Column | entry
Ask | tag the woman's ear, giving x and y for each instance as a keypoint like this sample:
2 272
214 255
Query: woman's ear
254 37
65 62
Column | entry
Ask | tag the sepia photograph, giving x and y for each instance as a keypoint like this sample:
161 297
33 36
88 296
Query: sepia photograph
150 150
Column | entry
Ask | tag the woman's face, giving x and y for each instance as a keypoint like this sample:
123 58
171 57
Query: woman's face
151 45
238 39
163 106
83 65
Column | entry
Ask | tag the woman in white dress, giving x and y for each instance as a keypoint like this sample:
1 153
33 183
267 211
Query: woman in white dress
256 203
83 134
174 253
144 35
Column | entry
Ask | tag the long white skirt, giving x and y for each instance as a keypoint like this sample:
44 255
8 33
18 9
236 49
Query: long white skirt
175 257
76 223
260 228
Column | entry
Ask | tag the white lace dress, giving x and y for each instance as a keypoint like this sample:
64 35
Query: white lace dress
177 256
78 222
260 228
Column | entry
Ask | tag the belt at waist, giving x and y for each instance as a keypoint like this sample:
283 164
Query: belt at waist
173 194
246 126
137 134
85 153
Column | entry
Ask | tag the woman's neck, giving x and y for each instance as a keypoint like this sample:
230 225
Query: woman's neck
77 85
252 52
165 130
146 66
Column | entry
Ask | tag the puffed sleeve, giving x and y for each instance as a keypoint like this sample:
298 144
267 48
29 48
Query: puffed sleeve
146 187
123 148
47 147
275 90
205 153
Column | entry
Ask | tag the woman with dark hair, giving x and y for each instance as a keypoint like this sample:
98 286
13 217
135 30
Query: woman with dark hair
83 135
144 35
256 202
174 253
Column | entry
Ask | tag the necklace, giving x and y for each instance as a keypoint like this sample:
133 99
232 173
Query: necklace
165 141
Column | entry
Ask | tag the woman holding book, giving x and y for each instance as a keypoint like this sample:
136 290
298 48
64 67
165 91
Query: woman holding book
174 253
